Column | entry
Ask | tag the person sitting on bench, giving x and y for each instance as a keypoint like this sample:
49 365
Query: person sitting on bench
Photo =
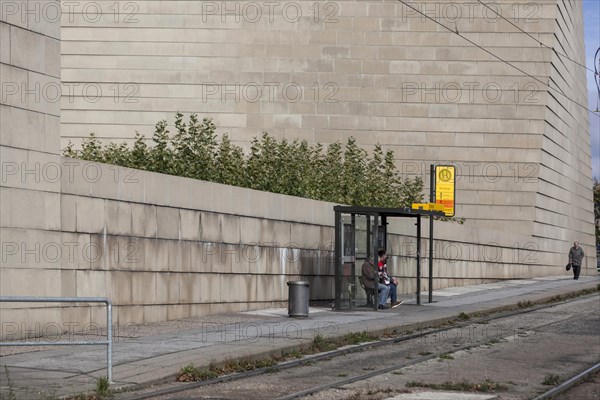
384 278
371 282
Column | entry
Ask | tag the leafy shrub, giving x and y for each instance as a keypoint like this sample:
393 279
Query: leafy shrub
344 175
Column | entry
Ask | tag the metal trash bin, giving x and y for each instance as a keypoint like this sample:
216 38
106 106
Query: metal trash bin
299 294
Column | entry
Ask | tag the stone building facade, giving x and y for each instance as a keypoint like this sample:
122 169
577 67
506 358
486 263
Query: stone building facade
436 82
506 111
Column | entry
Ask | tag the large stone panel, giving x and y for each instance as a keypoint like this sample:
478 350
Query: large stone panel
90 215
162 247
31 209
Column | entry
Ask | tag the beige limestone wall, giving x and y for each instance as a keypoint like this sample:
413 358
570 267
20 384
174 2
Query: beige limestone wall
164 247
29 141
375 70
159 247
564 201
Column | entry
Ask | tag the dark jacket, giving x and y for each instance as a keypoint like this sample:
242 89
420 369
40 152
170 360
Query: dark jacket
368 274
576 255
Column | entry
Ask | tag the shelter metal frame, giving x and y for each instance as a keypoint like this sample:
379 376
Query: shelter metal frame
374 241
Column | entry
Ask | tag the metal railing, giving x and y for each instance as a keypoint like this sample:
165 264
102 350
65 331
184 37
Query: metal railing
107 342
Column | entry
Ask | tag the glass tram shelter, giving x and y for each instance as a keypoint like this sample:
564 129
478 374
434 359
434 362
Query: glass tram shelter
359 233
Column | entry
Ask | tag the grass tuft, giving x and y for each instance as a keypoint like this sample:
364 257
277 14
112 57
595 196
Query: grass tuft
192 373
464 386
551 379
463 317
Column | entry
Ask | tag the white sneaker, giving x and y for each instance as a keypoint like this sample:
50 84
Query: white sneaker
396 304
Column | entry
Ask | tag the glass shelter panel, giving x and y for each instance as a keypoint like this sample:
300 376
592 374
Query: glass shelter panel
355 233
361 237
347 277
362 240
356 242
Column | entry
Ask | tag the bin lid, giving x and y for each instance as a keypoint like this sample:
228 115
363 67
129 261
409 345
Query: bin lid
302 283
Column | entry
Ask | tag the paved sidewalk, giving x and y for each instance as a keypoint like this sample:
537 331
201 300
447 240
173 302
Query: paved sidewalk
150 354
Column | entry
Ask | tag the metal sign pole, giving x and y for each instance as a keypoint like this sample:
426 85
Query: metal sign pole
431 200
375 234
418 259
338 260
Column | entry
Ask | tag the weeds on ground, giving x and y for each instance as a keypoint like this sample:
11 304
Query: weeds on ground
567 296
292 354
445 356
524 304
192 373
379 391
246 364
103 387
463 317
102 392
358 338
464 386
551 379
321 344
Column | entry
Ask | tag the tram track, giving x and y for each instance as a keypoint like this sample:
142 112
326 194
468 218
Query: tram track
568 384
549 395
450 348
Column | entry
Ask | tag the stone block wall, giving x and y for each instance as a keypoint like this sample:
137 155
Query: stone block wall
486 101
564 202
159 247
163 247
29 144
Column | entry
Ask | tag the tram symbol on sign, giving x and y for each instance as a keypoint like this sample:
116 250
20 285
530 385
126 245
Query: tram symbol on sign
445 175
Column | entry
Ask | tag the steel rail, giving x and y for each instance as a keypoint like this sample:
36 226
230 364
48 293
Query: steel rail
568 383
350 349
108 342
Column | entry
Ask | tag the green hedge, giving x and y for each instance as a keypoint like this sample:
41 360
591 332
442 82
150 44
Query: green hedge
338 174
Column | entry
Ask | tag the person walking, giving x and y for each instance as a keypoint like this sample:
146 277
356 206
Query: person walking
575 258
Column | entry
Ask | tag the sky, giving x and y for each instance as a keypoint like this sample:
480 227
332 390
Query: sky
591 25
